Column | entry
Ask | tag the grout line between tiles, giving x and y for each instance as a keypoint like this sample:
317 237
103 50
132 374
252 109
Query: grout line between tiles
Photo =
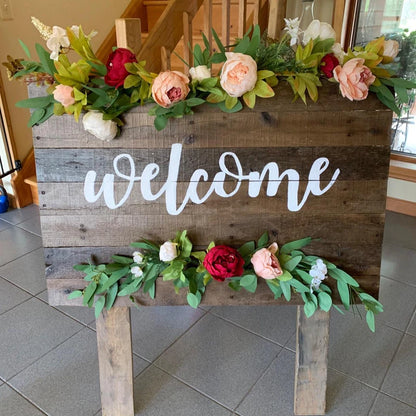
193 388
43 355
27 399
19 257
394 279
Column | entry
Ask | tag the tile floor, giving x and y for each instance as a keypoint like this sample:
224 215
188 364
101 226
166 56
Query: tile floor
210 362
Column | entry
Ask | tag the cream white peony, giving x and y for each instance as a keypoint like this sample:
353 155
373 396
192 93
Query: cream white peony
138 257
200 73
58 40
136 271
391 49
239 74
168 251
102 129
319 29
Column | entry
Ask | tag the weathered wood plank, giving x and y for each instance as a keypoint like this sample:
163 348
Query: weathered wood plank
312 337
92 230
71 165
354 197
115 358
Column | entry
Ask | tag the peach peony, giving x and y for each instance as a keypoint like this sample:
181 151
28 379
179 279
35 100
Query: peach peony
239 74
169 88
266 264
354 79
64 94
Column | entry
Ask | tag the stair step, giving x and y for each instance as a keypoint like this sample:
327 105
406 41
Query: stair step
33 183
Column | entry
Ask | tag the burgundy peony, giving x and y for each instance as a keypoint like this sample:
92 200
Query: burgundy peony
328 63
116 71
222 262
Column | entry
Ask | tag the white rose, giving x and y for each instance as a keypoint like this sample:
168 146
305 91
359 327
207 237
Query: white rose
239 74
138 257
102 129
318 29
339 53
391 49
168 251
136 271
200 73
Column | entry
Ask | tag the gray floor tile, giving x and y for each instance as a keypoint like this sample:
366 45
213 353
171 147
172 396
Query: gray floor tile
386 406
29 331
412 326
82 314
4 225
10 296
155 328
15 242
16 216
400 380
277 323
356 351
157 394
273 394
399 301
12 404
32 225
64 382
399 263
400 229
27 272
220 359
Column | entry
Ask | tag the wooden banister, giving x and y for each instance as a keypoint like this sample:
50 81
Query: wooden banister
135 9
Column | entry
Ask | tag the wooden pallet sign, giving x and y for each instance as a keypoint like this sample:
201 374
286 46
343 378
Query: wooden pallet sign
292 170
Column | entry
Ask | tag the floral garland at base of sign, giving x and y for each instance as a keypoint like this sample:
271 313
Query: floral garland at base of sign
251 68
286 270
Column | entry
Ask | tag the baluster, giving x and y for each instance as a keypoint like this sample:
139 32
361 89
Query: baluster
277 13
225 31
208 21
187 42
129 34
242 17
338 18
256 13
165 58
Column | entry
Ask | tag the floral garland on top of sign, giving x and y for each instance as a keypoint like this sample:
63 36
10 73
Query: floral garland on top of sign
285 271
251 68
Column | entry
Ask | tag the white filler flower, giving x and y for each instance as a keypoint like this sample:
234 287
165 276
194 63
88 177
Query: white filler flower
58 40
138 257
168 251
102 129
136 271
292 29
318 273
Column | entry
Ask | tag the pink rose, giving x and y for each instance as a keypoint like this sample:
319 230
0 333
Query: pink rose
266 264
169 88
239 74
64 94
354 79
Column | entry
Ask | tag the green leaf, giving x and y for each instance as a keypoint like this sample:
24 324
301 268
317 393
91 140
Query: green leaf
36 116
248 280
390 104
230 102
99 305
345 277
274 286
263 240
218 58
132 81
218 41
371 320
286 289
130 288
292 263
145 245
115 277
160 122
122 259
37 102
247 249
325 301
236 108
309 308
306 277
250 99
193 300
243 45
89 293
25 49
285 277
344 293
173 271
263 89
111 296
295 245
45 60
401 93
198 57
298 286
75 294
193 102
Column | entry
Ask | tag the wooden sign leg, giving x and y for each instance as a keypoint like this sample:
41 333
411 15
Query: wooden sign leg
115 358
312 337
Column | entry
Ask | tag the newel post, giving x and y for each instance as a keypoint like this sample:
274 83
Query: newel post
115 353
